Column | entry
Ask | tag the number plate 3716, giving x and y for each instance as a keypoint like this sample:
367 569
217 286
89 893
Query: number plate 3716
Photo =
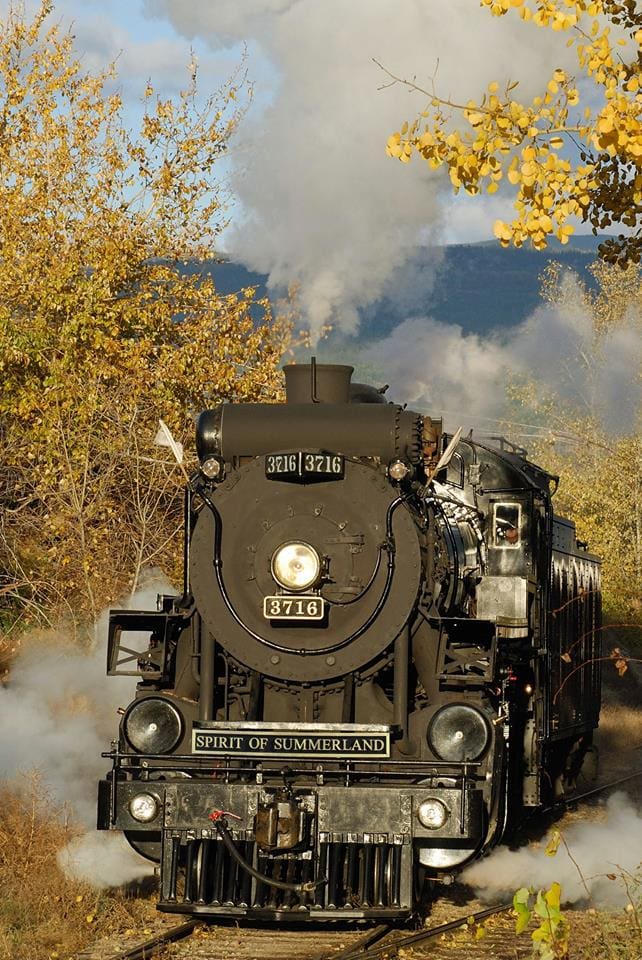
304 466
293 608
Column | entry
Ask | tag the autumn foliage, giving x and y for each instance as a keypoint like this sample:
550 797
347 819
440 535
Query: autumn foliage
600 469
573 151
103 329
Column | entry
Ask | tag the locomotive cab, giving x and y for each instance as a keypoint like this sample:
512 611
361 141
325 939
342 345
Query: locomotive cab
361 684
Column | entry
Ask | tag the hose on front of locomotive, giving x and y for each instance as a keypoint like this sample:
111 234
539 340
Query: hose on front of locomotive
388 545
308 886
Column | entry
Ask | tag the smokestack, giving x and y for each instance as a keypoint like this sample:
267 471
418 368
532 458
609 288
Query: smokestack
317 382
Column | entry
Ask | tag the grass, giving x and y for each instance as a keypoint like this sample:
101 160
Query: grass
45 915
614 937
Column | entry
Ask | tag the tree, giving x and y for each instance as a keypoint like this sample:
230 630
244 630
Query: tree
102 328
563 162
600 472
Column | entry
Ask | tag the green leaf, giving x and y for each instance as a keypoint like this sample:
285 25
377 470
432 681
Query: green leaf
523 920
521 896
541 906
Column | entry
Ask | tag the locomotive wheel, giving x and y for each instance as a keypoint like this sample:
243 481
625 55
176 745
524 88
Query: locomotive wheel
423 891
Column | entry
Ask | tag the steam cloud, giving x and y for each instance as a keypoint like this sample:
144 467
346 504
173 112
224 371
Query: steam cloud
103 860
439 366
321 204
57 715
612 846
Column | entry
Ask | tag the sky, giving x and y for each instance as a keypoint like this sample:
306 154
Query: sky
316 200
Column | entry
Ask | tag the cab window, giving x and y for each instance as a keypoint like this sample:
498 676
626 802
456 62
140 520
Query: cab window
507 525
455 470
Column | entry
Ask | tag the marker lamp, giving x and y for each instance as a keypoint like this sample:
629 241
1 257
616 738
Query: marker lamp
432 814
143 807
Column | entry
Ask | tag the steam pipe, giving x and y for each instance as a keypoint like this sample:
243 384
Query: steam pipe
253 710
187 524
313 380
400 684
347 709
207 676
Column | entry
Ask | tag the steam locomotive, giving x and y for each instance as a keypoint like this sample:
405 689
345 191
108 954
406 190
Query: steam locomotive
383 656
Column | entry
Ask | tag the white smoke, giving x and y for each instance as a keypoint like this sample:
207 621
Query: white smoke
602 853
103 860
58 713
441 367
320 202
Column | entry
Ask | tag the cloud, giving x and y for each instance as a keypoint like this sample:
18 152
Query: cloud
321 203
469 219
142 49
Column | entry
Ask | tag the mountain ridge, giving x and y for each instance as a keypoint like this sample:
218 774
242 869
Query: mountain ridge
481 287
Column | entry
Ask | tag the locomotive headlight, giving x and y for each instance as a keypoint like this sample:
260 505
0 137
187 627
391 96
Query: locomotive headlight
152 725
143 807
296 565
458 732
432 814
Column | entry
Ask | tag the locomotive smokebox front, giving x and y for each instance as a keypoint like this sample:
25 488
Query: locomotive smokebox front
304 582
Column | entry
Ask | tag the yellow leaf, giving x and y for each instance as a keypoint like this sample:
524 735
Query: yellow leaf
556 838
553 896
393 146
502 230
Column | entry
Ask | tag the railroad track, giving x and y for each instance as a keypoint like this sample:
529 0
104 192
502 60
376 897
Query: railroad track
234 942
239 943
